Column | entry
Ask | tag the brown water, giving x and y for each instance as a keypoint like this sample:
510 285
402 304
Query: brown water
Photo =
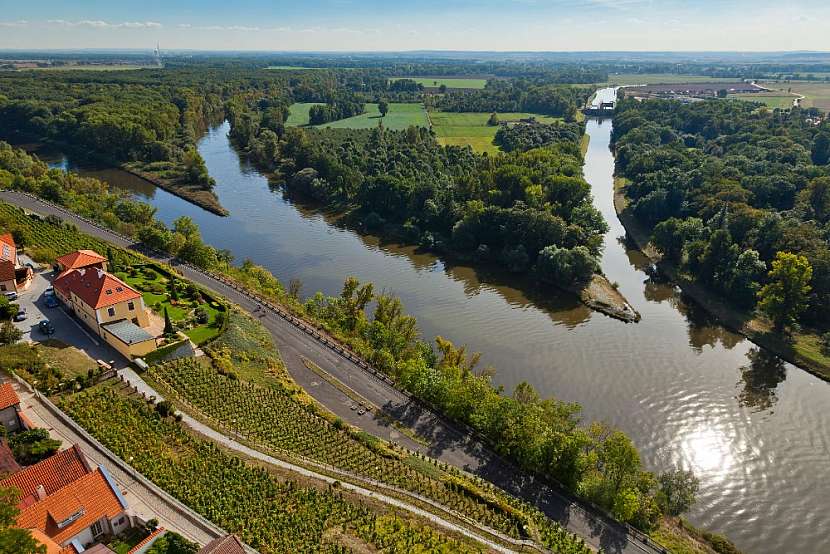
686 389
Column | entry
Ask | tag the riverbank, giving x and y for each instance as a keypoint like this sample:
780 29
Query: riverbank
804 350
205 199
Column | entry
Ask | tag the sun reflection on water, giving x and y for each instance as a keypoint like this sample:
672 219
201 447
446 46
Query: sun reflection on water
707 450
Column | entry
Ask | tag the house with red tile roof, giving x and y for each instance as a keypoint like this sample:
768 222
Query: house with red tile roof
229 544
48 476
10 409
81 259
79 513
106 304
8 465
13 277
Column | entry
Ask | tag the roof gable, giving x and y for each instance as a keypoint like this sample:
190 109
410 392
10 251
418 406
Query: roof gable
8 397
229 544
95 287
80 258
80 504
8 250
53 473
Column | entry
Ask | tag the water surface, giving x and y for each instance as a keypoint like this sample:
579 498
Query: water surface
690 392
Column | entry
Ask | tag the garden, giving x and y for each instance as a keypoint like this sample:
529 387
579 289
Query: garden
188 308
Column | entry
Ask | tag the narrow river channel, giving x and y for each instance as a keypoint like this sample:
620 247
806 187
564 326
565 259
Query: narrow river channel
687 390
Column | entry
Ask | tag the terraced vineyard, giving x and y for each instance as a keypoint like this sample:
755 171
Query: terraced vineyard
47 241
269 416
270 514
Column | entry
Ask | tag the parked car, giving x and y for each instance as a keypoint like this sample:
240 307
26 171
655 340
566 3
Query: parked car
10 296
49 291
46 327
20 315
51 301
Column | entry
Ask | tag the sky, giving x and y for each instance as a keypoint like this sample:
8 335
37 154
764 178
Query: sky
373 25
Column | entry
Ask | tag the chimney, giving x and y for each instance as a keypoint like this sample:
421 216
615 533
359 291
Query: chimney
40 492
100 272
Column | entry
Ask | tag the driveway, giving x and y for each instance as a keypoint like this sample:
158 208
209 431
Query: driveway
67 329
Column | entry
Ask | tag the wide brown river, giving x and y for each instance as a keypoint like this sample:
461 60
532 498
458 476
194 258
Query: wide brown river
755 429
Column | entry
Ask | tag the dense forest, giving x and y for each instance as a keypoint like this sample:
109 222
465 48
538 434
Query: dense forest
738 196
517 96
511 209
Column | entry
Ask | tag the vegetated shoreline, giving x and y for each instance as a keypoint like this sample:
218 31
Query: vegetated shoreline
735 320
205 199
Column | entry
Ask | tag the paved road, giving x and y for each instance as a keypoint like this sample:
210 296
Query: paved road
448 442
142 499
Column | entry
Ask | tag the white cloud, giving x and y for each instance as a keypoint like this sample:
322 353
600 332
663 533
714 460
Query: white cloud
98 24
20 23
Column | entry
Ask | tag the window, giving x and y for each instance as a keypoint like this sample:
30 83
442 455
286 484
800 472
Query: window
109 291
111 311
131 305
97 529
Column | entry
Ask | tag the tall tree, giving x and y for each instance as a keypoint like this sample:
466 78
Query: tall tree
785 296
383 108
12 539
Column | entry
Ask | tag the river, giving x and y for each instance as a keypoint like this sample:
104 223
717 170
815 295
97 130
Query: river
688 391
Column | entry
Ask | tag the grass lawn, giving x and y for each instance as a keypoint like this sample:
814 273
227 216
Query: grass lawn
29 359
451 82
471 129
663 79
400 116
298 113
154 289
773 100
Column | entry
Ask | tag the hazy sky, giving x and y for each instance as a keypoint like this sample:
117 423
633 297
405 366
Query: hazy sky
429 24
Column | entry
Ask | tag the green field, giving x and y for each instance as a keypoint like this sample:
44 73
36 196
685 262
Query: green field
400 116
449 82
471 129
663 79
773 100
298 113
816 95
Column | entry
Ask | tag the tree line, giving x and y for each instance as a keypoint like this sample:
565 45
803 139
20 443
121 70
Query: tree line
738 196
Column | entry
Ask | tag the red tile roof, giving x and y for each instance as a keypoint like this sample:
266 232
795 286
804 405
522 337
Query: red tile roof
54 473
7 271
51 546
229 544
80 258
7 240
148 539
89 499
8 464
95 287
7 396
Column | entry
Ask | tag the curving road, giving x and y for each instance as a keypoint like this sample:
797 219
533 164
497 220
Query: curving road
448 441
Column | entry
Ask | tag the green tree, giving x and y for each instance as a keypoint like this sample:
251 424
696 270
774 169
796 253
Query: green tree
383 108
12 539
9 334
677 491
168 325
494 120
784 298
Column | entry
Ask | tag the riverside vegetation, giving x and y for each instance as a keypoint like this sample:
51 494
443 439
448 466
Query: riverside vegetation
737 198
595 461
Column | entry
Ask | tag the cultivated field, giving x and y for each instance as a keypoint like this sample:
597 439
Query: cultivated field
471 129
449 82
298 113
771 99
662 79
290 67
400 116
816 95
